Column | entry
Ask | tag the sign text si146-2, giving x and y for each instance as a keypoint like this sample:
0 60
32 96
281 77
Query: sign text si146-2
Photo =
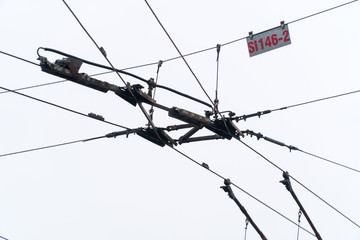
268 40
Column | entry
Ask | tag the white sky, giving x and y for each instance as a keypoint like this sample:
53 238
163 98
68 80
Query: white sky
129 188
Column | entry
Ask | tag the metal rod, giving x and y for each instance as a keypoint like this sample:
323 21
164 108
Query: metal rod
287 184
231 194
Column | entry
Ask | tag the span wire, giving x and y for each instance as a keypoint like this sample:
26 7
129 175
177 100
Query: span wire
109 135
260 113
19 58
290 147
236 40
61 107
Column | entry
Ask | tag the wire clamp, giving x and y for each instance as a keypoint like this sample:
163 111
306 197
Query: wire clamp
251 36
286 181
205 165
218 47
282 24
159 65
228 189
102 50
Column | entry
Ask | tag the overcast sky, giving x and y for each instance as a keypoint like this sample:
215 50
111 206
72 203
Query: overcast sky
130 188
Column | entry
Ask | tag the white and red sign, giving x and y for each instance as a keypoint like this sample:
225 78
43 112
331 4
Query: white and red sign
268 40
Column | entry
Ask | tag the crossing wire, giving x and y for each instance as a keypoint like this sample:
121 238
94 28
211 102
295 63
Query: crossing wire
234 41
176 150
293 21
214 105
178 50
309 190
226 125
210 101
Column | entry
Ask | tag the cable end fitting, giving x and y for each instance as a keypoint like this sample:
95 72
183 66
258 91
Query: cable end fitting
102 50
292 148
286 181
205 165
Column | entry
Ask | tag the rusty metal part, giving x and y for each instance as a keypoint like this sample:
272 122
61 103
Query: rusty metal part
68 69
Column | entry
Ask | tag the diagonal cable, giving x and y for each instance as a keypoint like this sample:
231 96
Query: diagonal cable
178 50
309 190
61 107
19 58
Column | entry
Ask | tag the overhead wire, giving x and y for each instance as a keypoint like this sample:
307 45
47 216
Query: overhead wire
330 161
101 49
3 238
40 148
192 53
178 50
205 166
320 12
61 107
214 104
235 40
19 58
205 50
109 135
316 100
34 86
309 190
261 113
114 134
272 163
112 70
292 148
104 54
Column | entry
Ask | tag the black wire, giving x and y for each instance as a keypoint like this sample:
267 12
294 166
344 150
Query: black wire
316 100
64 108
40 148
233 41
210 101
327 160
110 135
325 202
314 14
214 106
34 86
276 166
260 113
178 50
176 150
22 59
141 105
126 73
95 64
4 238
290 147
151 123
238 187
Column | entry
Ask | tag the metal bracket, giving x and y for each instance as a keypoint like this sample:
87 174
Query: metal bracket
282 24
